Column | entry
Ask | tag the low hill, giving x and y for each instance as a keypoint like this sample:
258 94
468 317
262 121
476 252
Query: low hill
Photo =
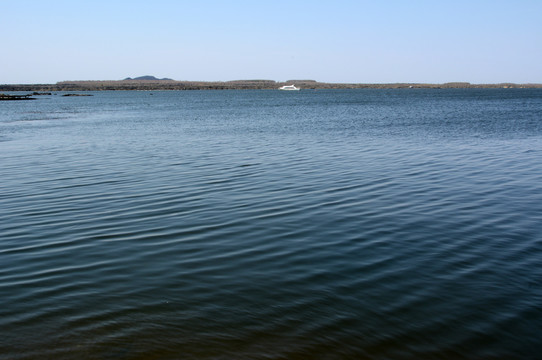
147 77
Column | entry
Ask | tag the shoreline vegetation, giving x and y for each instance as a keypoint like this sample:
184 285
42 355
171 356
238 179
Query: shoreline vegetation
168 84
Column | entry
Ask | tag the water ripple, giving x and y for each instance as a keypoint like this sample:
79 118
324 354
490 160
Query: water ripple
325 226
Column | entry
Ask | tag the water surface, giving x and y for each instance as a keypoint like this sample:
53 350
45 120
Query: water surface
366 224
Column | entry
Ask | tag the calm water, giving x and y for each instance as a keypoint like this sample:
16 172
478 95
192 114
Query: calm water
355 224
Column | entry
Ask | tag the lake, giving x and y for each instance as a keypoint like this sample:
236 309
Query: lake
328 224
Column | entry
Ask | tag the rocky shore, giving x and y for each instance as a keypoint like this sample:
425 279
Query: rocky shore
166 84
6 97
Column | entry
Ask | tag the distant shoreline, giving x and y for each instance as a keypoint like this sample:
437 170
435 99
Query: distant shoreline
240 85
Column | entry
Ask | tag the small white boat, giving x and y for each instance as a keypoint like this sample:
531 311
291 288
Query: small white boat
288 87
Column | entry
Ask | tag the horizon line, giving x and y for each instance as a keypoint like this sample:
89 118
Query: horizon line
166 80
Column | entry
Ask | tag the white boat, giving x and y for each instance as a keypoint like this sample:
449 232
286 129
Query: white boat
288 87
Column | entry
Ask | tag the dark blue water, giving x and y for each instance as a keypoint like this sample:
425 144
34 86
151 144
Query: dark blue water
355 224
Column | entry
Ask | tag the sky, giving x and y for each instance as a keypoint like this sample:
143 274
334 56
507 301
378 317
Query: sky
414 41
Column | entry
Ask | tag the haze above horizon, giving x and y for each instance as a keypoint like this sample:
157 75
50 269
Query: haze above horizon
341 41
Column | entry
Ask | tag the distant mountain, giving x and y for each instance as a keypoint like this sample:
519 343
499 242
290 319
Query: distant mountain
146 77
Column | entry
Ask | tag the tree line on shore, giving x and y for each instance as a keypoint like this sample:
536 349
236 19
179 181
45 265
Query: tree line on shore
135 84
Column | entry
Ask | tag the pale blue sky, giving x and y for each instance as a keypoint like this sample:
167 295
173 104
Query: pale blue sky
332 41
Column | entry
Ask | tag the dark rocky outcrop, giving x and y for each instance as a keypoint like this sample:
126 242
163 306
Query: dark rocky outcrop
5 97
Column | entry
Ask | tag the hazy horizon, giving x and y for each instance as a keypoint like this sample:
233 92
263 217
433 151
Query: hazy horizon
262 79
341 42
